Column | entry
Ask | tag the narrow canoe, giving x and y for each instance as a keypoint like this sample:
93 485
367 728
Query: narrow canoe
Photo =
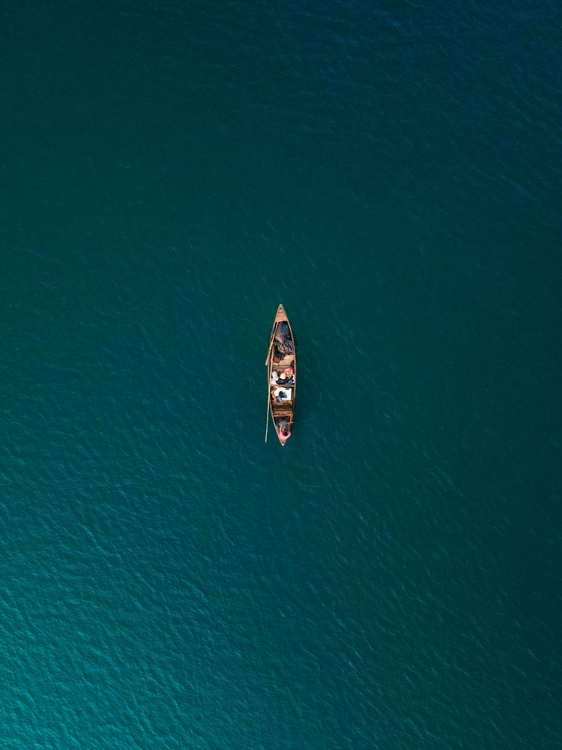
281 363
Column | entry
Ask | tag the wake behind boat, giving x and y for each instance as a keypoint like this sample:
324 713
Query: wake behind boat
281 363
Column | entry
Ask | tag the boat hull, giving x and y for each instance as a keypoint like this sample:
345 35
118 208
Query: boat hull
281 363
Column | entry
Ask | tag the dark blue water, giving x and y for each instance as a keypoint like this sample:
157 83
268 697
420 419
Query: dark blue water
170 173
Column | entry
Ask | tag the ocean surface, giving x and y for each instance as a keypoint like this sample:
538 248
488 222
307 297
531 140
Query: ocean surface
169 173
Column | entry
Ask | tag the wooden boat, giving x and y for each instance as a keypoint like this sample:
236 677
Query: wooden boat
281 363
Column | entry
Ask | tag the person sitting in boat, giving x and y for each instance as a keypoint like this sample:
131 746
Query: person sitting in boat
282 395
284 429
287 377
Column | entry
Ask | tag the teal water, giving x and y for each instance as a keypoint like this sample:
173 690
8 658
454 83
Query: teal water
170 174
